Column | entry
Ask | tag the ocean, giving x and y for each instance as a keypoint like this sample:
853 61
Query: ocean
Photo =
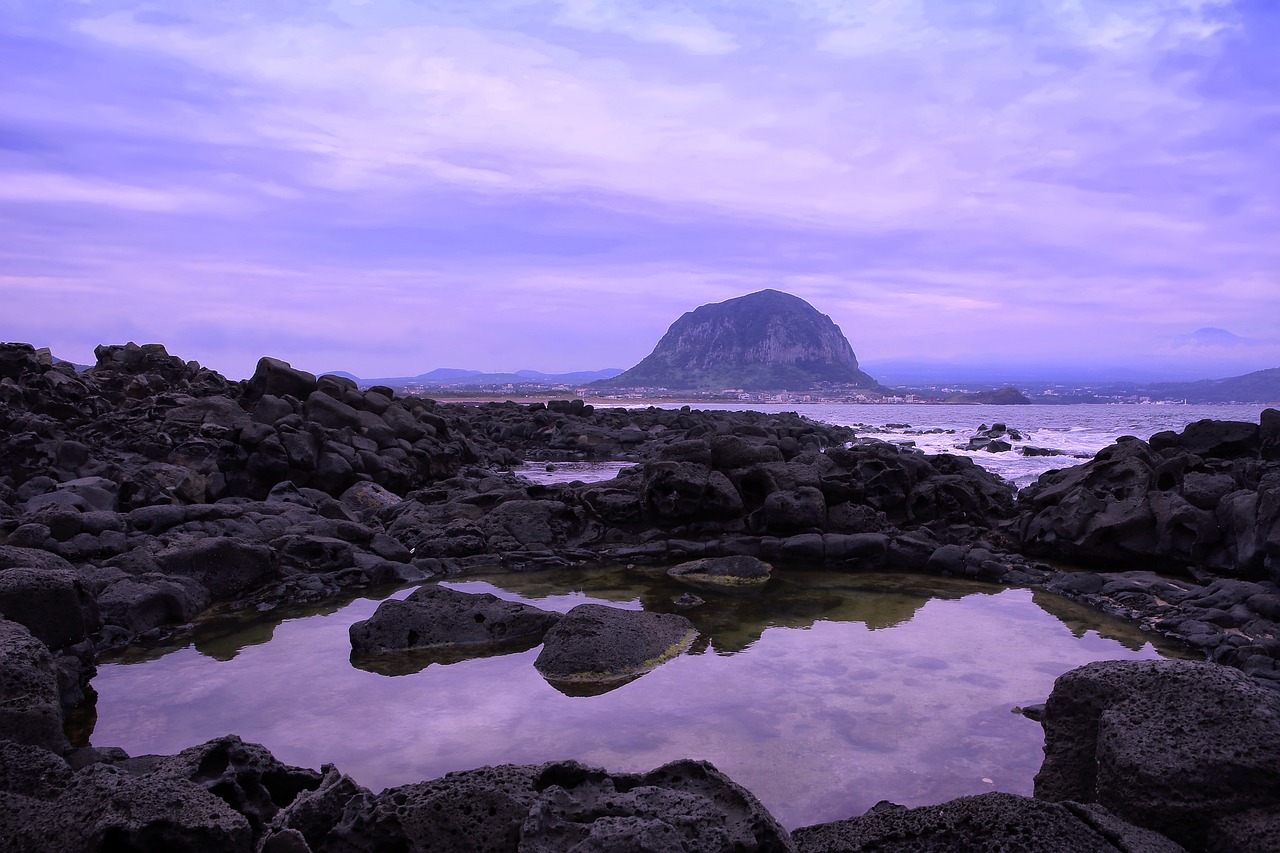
1077 431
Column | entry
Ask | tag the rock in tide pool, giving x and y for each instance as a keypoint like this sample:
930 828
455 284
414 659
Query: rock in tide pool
734 573
447 625
594 648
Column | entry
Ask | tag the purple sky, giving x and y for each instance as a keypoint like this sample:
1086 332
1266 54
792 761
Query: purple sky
390 186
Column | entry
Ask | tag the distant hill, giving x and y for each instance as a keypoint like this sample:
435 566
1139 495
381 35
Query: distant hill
1261 386
462 380
764 341
1000 397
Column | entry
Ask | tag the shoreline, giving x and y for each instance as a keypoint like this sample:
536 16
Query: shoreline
139 493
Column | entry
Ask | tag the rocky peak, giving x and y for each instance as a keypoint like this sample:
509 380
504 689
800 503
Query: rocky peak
767 340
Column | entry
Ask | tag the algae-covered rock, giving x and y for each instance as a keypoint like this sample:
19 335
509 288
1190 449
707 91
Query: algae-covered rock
595 646
734 573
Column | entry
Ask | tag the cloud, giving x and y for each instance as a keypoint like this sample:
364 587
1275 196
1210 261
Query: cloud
1044 176
677 26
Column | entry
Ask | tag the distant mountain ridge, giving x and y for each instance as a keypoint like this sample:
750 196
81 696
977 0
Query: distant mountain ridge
764 341
457 378
1261 386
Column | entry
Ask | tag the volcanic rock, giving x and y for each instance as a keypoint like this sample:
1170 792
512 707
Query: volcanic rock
594 645
1170 745
994 821
765 340
733 573
438 617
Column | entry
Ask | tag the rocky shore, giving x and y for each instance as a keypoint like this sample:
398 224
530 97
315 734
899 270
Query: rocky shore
136 495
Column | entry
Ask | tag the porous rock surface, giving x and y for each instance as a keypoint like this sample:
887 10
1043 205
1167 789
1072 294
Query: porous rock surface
433 616
998 822
596 644
1175 746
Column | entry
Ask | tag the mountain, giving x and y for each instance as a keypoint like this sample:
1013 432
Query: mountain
764 341
1261 386
460 380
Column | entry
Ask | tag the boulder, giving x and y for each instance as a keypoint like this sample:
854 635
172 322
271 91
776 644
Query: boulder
994 821
684 492
598 646
52 603
366 499
139 604
246 776
478 810
225 566
684 805
30 704
793 511
278 378
436 617
105 807
1170 745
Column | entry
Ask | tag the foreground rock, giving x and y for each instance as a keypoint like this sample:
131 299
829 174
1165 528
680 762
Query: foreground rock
596 647
215 797
30 710
1187 748
436 618
995 821
227 795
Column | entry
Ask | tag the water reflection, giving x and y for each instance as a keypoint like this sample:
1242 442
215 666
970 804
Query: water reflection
823 695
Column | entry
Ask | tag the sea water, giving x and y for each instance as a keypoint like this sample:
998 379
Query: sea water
1077 431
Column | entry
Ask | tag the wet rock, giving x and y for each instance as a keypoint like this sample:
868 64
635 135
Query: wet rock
438 617
606 646
730 573
1029 450
1162 744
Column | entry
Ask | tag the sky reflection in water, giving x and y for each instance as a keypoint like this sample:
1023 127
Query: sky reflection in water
823 696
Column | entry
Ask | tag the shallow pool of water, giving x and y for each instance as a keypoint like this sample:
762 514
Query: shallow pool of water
823 695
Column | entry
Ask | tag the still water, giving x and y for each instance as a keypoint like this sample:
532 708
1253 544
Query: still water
822 695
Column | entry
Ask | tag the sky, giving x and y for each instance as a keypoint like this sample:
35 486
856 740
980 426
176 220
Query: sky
391 186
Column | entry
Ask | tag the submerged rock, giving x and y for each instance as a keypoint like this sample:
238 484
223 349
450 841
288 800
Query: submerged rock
595 646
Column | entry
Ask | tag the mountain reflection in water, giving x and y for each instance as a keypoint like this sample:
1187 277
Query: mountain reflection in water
822 694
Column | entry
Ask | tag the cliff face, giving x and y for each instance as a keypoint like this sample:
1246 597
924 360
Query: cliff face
763 341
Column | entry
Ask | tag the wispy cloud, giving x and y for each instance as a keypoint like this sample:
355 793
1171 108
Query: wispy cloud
1045 174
